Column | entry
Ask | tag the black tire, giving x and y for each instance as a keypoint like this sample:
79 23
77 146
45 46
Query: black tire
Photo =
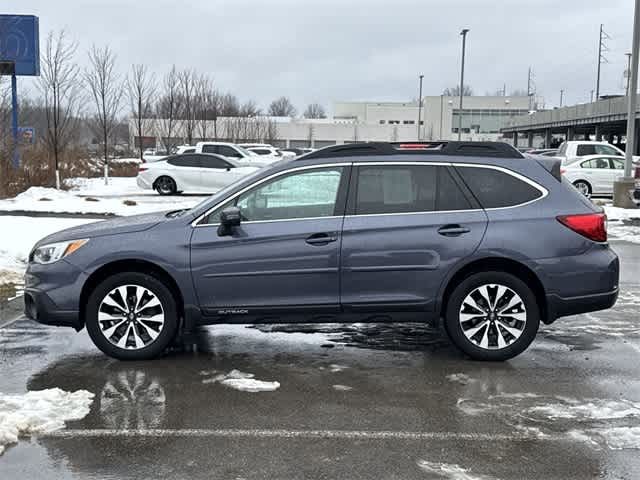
165 185
583 187
169 309
454 329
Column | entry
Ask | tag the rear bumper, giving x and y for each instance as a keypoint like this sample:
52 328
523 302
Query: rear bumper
144 183
564 306
39 307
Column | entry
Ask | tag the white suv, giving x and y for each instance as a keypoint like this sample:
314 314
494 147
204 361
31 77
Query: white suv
582 148
233 152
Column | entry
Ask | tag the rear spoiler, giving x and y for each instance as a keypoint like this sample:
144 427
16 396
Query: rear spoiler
551 165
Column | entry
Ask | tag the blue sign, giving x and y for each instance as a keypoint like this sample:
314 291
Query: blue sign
20 43
26 135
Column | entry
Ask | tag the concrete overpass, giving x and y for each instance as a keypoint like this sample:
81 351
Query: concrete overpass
602 120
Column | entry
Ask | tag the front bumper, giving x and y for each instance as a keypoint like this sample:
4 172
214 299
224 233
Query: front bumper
52 294
39 307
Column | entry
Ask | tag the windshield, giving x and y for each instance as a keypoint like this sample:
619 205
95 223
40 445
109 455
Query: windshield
246 152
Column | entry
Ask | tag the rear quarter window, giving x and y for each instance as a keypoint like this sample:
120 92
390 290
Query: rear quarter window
496 189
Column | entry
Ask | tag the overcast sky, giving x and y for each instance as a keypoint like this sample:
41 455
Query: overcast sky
323 51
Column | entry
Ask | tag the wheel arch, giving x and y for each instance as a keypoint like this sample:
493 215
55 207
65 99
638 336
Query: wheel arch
129 265
499 264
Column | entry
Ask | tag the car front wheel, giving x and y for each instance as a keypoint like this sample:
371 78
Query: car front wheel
132 316
492 316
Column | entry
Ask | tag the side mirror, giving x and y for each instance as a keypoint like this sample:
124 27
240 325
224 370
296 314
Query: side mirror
229 218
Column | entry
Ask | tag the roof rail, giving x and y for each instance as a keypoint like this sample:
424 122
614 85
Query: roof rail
441 147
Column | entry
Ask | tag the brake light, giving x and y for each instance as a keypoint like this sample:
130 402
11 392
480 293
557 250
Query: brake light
591 225
143 169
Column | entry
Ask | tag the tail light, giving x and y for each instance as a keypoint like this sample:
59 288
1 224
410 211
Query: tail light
591 225
142 169
563 171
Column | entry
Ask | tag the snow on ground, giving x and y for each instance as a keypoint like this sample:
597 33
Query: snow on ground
623 223
88 196
96 186
40 411
449 471
238 380
19 234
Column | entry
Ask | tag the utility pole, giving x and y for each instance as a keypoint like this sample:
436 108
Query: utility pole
464 43
561 94
628 72
602 47
420 105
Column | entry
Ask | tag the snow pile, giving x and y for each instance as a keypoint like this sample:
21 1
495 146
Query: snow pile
448 470
39 412
619 438
342 388
96 186
240 381
21 234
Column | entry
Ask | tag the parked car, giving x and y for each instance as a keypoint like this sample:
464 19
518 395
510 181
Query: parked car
190 172
357 233
594 174
151 155
179 150
582 148
234 152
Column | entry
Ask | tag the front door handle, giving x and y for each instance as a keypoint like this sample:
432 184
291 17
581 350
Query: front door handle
321 238
452 230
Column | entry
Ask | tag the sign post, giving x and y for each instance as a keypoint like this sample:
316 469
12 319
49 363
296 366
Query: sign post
19 55
14 120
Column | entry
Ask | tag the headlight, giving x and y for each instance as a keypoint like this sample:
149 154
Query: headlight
55 251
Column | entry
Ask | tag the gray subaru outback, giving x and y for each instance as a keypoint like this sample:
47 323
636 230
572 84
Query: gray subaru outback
473 234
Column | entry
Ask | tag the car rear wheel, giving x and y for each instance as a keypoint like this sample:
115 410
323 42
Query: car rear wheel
492 316
165 186
132 316
583 187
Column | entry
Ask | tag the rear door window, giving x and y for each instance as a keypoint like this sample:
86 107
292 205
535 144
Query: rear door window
586 149
496 189
213 161
184 161
227 151
388 189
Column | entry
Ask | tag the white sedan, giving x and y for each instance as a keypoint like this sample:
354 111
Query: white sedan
593 174
190 172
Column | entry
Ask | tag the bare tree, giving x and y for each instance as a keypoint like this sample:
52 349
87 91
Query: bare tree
141 87
314 110
249 109
106 90
59 86
207 102
455 91
282 107
187 79
168 108
229 105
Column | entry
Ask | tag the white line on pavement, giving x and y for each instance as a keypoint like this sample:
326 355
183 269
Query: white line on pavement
283 433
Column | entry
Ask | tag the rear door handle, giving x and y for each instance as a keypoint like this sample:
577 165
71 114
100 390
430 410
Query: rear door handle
452 230
321 238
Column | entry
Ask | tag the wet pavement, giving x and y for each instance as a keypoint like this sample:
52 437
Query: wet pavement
354 401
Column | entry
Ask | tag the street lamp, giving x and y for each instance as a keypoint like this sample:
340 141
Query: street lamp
464 43
420 106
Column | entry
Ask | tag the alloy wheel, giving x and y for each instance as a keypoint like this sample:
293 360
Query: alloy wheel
165 185
492 316
131 317
583 188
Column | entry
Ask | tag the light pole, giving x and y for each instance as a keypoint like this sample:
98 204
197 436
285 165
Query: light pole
420 105
628 72
624 185
464 43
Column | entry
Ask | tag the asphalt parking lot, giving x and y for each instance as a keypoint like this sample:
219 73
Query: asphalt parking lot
354 401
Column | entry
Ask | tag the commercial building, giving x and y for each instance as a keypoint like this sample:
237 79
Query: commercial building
352 122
